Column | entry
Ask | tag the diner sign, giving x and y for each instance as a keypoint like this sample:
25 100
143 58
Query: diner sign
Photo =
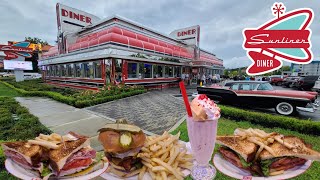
284 38
189 35
70 19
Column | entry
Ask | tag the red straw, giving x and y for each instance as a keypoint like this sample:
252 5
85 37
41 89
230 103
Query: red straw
185 98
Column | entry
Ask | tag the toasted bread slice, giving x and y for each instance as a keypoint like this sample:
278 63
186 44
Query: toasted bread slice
32 153
58 157
302 150
244 148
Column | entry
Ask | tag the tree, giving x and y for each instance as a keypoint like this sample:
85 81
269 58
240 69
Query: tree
285 68
36 40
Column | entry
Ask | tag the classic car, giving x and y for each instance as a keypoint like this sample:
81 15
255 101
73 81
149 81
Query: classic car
289 81
262 95
276 80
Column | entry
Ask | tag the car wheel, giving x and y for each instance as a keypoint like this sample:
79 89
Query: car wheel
278 84
285 108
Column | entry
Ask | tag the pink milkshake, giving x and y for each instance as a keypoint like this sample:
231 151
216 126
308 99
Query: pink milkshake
202 132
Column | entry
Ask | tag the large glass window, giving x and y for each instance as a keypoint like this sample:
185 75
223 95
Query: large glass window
147 71
177 71
90 73
118 74
69 70
132 70
168 71
160 70
85 70
77 70
141 70
63 70
97 69
49 68
155 71
58 70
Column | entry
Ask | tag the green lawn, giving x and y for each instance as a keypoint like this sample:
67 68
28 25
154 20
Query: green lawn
226 126
8 92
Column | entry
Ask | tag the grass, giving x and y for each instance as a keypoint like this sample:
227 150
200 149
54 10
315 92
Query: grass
8 92
226 127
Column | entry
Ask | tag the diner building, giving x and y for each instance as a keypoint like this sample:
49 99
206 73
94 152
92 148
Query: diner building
118 50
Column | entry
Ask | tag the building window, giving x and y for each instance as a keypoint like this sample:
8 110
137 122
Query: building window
58 74
157 71
70 70
63 70
97 69
177 71
49 70
77 70
85 70
147 71
132 70
90 70
168 71
160 70
141 70
118 66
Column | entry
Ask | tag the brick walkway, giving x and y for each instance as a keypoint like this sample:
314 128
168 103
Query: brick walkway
156 111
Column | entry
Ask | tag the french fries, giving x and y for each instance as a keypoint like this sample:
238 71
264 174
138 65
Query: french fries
263 139
164 157
51 141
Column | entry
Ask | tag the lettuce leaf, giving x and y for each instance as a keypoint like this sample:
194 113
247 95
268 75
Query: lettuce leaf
244 163
265 164
46 171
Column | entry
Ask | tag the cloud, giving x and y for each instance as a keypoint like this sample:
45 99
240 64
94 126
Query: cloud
221 21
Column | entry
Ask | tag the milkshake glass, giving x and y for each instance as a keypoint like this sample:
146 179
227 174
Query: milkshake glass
202 136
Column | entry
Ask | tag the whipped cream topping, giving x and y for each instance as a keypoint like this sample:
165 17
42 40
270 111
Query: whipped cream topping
203 108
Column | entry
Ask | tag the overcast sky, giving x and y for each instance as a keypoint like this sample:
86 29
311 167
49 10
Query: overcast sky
221 21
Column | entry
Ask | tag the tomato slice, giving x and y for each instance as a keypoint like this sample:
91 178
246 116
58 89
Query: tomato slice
77 163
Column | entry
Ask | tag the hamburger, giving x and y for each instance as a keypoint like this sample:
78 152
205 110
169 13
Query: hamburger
122 143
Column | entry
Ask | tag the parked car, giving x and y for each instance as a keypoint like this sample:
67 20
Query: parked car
27 76
316 86
7 75
261 94
307 82
276 80
289 81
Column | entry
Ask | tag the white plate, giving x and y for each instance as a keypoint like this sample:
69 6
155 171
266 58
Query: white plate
110 176
230 170
21 173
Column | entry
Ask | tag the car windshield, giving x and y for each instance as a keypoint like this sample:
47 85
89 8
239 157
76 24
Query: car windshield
265 87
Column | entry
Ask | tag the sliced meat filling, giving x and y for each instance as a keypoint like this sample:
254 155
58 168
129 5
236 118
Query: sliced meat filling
287 163
18 158
231 156
79 159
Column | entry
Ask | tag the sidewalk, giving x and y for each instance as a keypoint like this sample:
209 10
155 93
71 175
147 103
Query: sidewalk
62 118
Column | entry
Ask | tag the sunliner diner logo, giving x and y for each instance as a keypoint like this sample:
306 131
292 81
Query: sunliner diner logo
15 50
284 38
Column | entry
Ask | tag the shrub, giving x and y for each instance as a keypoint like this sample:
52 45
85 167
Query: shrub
79 99
269 120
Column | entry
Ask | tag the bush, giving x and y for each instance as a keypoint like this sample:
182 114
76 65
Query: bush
22 127
79 99
269 120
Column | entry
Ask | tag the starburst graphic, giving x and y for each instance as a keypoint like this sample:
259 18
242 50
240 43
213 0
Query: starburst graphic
278 9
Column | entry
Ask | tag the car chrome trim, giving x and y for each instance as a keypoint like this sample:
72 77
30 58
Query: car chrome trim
285 97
